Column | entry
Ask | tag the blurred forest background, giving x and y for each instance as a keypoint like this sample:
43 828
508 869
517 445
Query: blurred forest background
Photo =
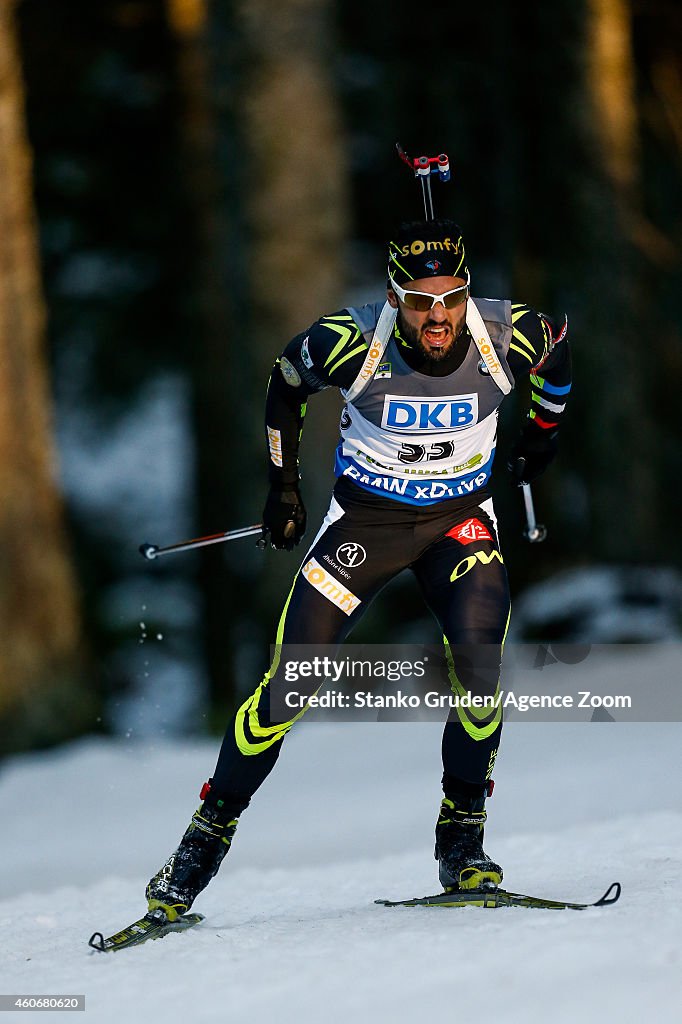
186 184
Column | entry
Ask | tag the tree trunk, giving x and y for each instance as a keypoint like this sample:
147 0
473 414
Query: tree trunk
265 187
611 82
298 203
297 218
209 319
621 441
38 609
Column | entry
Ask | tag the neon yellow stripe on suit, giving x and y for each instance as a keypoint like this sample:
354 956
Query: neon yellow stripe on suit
523 339
353 352
521 352
250 706
346 334
519 309
477 732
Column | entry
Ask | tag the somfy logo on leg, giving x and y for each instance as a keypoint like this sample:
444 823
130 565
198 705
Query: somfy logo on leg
351 554
329 587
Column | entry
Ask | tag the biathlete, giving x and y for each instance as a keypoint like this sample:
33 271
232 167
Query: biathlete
422 374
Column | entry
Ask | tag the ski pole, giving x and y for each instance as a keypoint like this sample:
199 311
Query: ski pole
534 533
152 551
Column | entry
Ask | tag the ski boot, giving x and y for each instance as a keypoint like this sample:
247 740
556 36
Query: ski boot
191 867
462 863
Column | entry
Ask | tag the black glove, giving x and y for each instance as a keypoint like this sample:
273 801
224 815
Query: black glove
532 453
284 517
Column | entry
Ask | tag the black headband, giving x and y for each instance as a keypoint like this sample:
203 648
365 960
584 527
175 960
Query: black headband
427 249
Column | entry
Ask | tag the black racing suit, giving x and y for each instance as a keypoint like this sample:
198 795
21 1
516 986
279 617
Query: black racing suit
450 545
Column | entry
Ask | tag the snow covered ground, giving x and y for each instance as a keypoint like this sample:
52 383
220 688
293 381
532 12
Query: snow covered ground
291 931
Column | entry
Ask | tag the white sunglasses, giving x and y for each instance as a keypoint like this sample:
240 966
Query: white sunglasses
424 301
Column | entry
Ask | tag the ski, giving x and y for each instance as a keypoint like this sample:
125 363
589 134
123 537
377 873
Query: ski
491 899
152 926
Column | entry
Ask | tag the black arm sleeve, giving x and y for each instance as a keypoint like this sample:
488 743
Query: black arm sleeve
330 354
285 408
